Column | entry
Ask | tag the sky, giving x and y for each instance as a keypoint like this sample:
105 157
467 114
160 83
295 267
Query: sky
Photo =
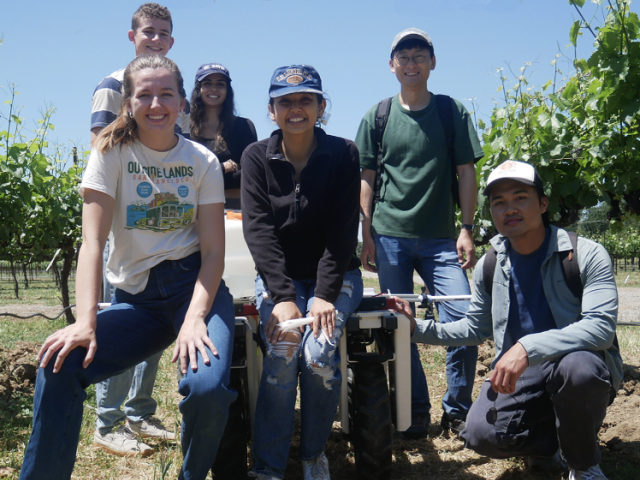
57 52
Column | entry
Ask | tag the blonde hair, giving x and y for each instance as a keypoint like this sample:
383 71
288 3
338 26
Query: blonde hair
124 130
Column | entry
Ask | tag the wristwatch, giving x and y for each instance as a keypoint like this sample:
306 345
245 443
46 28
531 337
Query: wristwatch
469 227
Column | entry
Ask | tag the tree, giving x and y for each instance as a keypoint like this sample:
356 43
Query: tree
40 207
583 138
594 221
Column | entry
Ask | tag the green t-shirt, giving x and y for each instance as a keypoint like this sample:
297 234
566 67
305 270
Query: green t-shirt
415 196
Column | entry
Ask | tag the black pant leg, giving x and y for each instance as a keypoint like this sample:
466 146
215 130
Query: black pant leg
519 424
580 390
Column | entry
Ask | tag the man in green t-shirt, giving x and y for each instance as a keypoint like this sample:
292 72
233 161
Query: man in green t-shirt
413 223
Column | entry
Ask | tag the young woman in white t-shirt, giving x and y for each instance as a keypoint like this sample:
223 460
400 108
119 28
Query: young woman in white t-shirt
160 199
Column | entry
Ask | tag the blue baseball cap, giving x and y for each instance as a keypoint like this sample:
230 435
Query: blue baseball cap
211 68
295 79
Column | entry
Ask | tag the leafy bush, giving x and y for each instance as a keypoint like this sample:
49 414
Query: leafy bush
584 138
40 207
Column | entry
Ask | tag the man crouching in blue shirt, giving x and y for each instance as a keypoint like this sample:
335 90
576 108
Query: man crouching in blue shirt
557 364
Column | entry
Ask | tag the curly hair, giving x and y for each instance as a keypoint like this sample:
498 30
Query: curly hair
150 10
124 130
227 116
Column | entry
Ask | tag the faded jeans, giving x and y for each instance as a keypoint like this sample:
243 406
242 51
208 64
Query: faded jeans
317 363
560 403
134 329
436 261
136 383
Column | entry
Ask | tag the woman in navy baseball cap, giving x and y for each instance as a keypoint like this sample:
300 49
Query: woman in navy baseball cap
215 125
300 197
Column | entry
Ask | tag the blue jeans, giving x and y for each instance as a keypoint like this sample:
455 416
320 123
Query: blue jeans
436 261
127 333
317 362
136 384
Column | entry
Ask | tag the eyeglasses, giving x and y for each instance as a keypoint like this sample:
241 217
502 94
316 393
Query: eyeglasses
404 59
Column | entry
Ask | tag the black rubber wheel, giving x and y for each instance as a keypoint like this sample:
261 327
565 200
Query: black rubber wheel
231 460
370 420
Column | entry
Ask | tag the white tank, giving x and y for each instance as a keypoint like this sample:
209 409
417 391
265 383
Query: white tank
239 269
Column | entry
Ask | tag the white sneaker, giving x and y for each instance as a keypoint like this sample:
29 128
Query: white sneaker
316 469
151 428
594 473
260 476
121 442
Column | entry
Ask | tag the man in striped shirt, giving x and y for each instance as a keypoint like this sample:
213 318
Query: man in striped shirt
151 29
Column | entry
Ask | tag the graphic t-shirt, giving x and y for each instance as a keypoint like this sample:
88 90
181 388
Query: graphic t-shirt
529 310
157 196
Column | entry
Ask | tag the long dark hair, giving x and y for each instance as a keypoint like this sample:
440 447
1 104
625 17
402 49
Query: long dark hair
124 129
227 116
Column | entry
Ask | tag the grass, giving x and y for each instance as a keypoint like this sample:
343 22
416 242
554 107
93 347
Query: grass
439 456
13 331
628 279
42 291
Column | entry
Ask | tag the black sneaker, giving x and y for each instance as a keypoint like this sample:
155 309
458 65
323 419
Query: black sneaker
419 427
553 463
455 425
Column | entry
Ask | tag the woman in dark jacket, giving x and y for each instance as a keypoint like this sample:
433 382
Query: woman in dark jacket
215 125
300 196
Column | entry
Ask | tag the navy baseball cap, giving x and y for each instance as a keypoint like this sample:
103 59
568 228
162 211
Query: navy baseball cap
210 68
295 79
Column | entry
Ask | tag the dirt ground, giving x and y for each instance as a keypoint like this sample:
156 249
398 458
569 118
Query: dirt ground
17 370
438 456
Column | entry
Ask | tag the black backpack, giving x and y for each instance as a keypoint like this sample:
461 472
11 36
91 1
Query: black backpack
444 104
570 271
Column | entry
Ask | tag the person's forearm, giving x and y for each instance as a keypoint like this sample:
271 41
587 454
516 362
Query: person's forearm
97 212
468 189
206 287
366 199
89 280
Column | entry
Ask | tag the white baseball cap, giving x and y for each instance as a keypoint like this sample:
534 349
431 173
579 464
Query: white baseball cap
514 170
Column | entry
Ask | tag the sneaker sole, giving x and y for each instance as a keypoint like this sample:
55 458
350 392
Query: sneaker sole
145 453
147 435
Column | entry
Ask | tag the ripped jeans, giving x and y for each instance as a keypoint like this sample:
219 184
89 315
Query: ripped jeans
317 363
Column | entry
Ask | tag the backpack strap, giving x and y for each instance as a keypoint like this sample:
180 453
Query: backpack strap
444 104
570 267
382 115
489 269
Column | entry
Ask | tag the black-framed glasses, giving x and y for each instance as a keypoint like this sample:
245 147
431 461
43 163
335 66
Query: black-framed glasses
402 59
